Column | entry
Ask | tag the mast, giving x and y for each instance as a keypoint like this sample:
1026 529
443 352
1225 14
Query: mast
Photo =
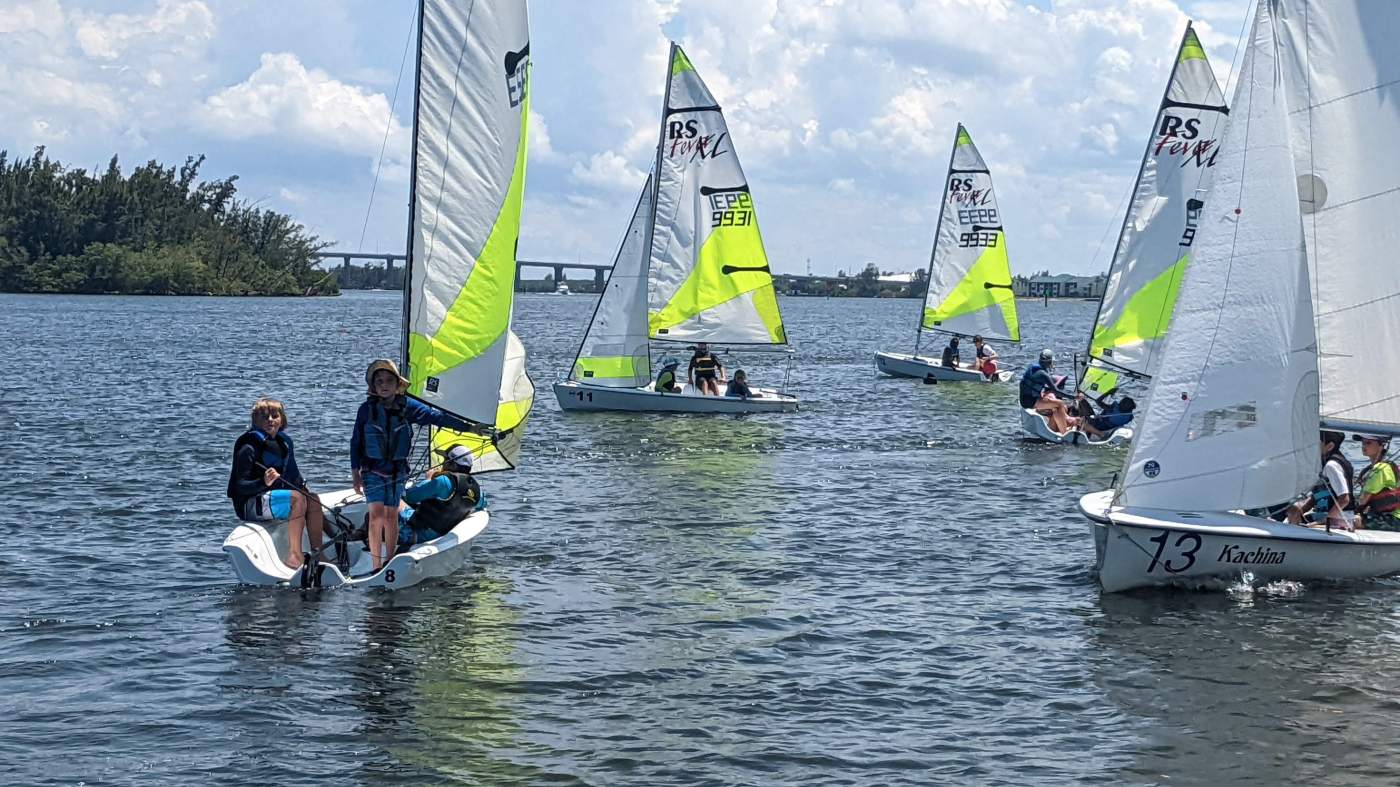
1123 228
412 198
937 230
656 173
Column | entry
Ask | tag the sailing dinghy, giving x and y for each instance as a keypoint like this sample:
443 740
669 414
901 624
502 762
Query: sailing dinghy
691 268
969 292
1154 243
1306 190
468 175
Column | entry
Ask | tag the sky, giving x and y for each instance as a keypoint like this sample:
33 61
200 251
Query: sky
842 111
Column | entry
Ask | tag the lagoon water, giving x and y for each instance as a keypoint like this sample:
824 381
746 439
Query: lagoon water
887 587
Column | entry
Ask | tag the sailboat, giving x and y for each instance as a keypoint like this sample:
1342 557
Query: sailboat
969 292
691 268
1154 243
1284 318
467 183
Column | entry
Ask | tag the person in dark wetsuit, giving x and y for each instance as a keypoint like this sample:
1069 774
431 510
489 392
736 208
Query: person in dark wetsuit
739 387
380 445
705 370
441 501
950 353
1111 415
265 484
1040 393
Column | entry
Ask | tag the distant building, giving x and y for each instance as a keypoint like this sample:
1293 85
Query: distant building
896 278
1061 285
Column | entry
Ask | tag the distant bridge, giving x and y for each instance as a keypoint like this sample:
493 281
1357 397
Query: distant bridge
599 271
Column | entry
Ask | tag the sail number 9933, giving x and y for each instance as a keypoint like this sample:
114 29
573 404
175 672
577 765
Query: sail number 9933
978 239
731 210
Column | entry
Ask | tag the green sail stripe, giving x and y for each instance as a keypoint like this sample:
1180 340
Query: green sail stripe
971 295
480 314
709 286
1146 315
615 367
964 138
680 63
1191 48
1098 380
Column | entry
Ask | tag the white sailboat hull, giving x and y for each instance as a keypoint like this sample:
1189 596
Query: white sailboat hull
919 367
577 396
1037 427
255 550
1144 547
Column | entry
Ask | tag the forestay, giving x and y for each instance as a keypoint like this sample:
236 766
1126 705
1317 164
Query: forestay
709 276
1232 415
471 114
1341 65
970 276
1161 222
614 350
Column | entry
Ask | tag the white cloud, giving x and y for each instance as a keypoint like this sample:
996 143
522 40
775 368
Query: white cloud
540 148
173 24
608 171
301 107
38 16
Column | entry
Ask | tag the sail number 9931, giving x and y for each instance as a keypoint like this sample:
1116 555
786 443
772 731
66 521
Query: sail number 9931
731 210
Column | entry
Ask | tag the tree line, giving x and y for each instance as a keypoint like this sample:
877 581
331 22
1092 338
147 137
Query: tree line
156 231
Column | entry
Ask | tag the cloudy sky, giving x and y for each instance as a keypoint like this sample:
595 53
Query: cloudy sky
842 111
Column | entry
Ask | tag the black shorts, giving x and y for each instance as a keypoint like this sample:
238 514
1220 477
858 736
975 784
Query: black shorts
704 376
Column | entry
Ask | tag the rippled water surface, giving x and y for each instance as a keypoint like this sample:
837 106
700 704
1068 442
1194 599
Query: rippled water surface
887 587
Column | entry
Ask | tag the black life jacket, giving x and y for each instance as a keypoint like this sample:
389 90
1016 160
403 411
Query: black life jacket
440 516
271 453
705 364
1323 493
950 356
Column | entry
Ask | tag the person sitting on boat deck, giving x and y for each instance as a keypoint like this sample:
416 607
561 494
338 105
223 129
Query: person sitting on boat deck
705 371
986 358
1041 392
1111 415
1331 500
442 500
1378 507
666 380
739 387
380 445
265 484
950 353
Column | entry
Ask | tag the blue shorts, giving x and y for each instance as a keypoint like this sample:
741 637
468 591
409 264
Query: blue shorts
276 504
383 489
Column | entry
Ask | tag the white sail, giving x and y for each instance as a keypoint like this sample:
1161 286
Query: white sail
1161 222
1341 64
1232 413
969 289
468 182
614 350
709 277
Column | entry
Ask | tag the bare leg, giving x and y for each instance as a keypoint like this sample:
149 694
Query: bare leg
296 524
315 519
376 535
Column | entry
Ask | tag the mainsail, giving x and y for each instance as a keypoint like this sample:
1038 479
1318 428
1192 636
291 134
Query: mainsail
969 289
1341 67
1160 224
709 278
468 181
1233 411
614 350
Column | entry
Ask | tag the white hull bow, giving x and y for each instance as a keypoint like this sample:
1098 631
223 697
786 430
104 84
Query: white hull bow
1037 427
573 395
1144 547
256 551
919 367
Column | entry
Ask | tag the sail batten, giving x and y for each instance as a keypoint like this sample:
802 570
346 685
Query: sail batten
970 289
1160 224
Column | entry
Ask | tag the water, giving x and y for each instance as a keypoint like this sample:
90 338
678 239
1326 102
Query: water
887 587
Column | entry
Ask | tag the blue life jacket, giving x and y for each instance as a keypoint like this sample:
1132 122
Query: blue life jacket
1030 392
388 437
272 453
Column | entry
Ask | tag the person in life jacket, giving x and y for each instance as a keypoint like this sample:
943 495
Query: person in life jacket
441 501
950 357
739 387
666 379
380 446
705 371
1041 392
986 358
1110 416
1378 506
1331 500
265 484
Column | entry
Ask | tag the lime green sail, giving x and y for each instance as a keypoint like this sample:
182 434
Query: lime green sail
1158 229
708 273
969 273
468 187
